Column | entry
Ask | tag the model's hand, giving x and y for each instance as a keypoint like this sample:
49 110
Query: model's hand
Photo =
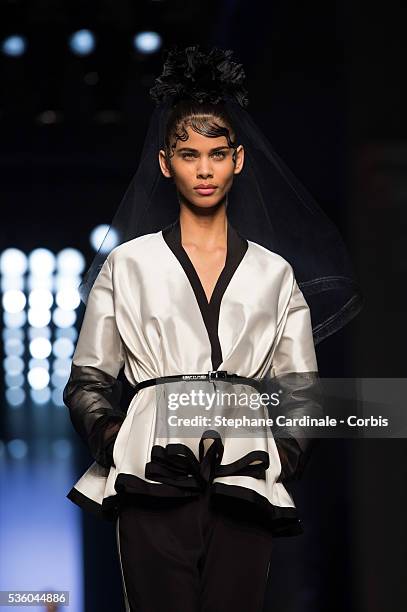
103 438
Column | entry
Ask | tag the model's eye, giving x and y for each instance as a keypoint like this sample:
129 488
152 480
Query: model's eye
219 154
215 154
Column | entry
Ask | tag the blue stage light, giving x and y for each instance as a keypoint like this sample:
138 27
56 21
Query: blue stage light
82 42
64 318
41 262
13 364
147 42
40 348
70 262
99 240
13 262
17 448
40 298
38 378
15 396
14 319
39 317
13 300
68 299
40 396
14 45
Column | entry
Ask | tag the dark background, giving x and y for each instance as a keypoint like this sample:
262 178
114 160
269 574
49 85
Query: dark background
327 86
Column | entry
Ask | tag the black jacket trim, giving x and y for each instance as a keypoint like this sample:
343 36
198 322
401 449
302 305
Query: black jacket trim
282 521
236 249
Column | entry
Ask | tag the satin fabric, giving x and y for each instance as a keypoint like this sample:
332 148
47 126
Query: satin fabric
142 314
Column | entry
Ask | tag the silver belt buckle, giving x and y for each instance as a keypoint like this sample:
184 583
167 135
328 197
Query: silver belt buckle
217 374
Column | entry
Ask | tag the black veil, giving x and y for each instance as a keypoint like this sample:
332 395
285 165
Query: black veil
266 205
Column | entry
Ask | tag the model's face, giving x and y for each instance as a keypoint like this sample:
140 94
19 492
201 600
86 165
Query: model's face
202 168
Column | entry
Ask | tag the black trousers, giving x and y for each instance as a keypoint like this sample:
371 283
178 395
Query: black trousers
195 555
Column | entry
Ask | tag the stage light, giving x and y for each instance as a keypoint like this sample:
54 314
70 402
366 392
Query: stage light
17 448
12 334
13 364
40 396
59 379
14 346
40 348
40 298
9 283
64 281
49 117
14 319
68 299
38 317
45 283
34 362
63 348
67 332
39 332
91 78
41 262
147 42
13 262
62 448
70 262
99 239
62 365
14 380
14 45
82 42
57 397
13 300
38 378
15 396
64 318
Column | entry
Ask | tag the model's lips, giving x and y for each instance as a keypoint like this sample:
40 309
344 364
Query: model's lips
205 189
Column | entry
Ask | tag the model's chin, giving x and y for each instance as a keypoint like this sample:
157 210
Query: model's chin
207 201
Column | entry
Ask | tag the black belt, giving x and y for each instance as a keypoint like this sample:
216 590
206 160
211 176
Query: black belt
210 376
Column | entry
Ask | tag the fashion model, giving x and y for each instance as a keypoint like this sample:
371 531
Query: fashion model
225 276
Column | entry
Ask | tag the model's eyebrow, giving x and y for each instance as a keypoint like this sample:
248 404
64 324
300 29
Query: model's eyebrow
196 151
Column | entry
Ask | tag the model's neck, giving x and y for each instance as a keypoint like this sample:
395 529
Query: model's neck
208 230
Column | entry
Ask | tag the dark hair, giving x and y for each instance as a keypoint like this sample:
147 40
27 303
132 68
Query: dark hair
208 119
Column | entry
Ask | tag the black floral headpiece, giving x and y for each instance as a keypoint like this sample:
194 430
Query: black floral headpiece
201 76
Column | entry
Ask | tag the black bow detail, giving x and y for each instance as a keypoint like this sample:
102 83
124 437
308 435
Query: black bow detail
177 465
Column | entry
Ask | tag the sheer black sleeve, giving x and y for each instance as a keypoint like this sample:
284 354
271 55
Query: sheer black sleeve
93 392
296 380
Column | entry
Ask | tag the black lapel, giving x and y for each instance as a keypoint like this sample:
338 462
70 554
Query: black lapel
236 248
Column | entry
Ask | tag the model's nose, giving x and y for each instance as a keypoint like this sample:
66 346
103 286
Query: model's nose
204 169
